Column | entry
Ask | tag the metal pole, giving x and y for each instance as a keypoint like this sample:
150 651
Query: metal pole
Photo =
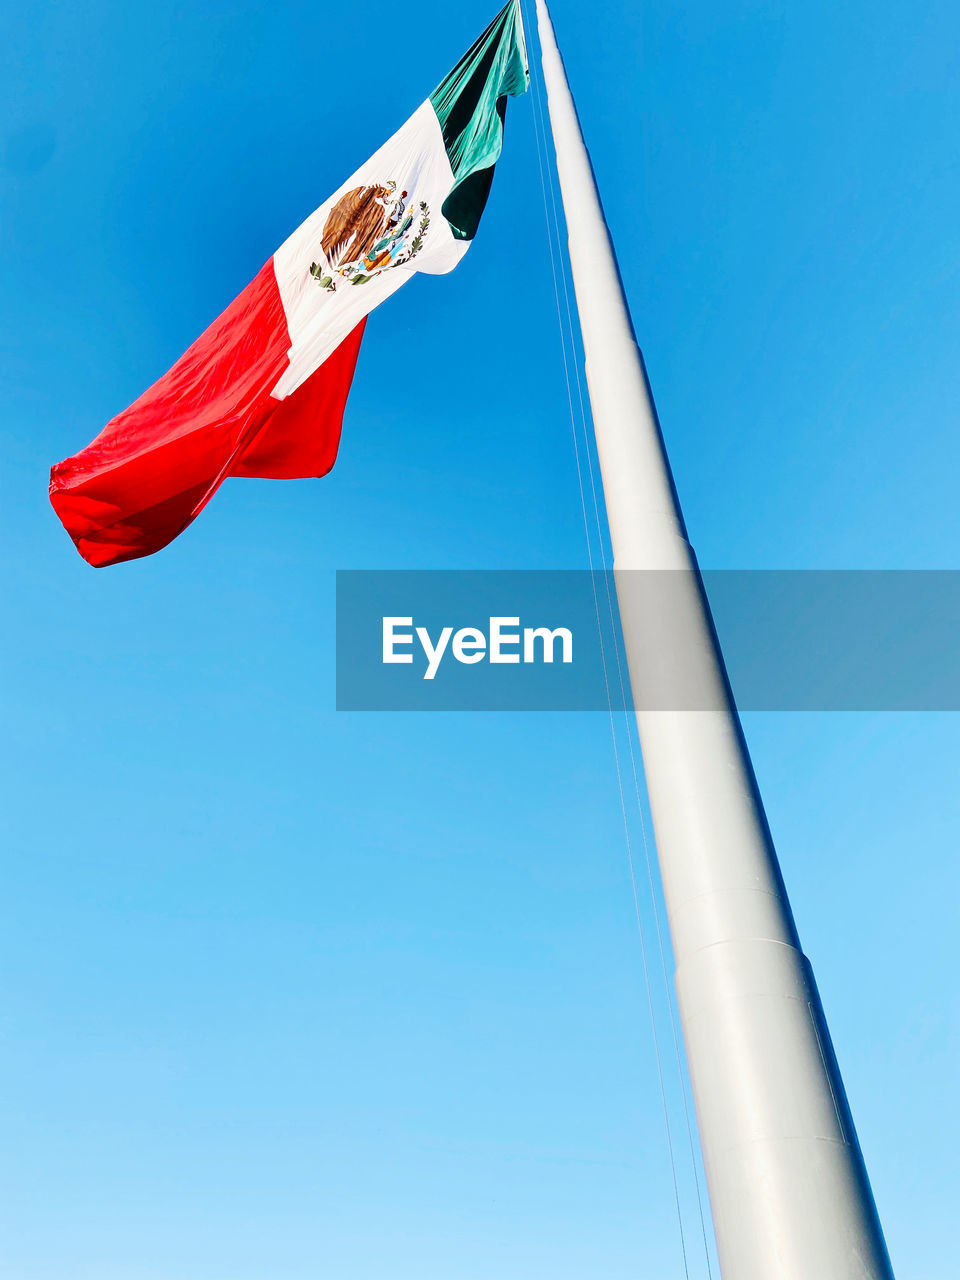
789 1192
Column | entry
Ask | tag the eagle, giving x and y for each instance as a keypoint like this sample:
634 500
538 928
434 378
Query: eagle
358 220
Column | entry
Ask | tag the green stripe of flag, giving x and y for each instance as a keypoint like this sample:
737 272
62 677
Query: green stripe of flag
470 105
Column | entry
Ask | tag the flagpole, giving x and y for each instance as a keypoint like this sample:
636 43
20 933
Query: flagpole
789 1192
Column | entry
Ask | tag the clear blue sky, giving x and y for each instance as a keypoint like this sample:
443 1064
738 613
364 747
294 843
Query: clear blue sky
293 995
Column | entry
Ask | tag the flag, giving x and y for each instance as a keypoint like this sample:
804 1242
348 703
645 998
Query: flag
262 391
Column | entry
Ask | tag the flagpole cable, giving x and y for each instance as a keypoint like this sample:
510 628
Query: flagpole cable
555 255
635 769
621 663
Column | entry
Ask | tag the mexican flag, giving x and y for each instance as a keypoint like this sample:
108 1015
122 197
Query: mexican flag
262 391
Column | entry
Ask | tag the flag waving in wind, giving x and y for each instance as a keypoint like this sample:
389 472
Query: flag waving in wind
262 391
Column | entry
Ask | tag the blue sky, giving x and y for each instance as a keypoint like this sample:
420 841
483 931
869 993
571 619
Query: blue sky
294 994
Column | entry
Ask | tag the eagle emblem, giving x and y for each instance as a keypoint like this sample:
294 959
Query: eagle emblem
369 230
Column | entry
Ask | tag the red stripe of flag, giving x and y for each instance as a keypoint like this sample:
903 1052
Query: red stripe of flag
156 465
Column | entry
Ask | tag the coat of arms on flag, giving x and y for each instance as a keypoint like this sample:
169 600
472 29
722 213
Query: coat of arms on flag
367 231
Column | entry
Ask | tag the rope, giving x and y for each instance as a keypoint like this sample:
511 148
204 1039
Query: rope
634 764
555 253
666 985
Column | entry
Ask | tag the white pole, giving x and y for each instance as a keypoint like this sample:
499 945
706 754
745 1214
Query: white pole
789 1192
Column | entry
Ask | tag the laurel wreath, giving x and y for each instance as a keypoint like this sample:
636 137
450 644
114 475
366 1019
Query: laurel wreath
416 244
